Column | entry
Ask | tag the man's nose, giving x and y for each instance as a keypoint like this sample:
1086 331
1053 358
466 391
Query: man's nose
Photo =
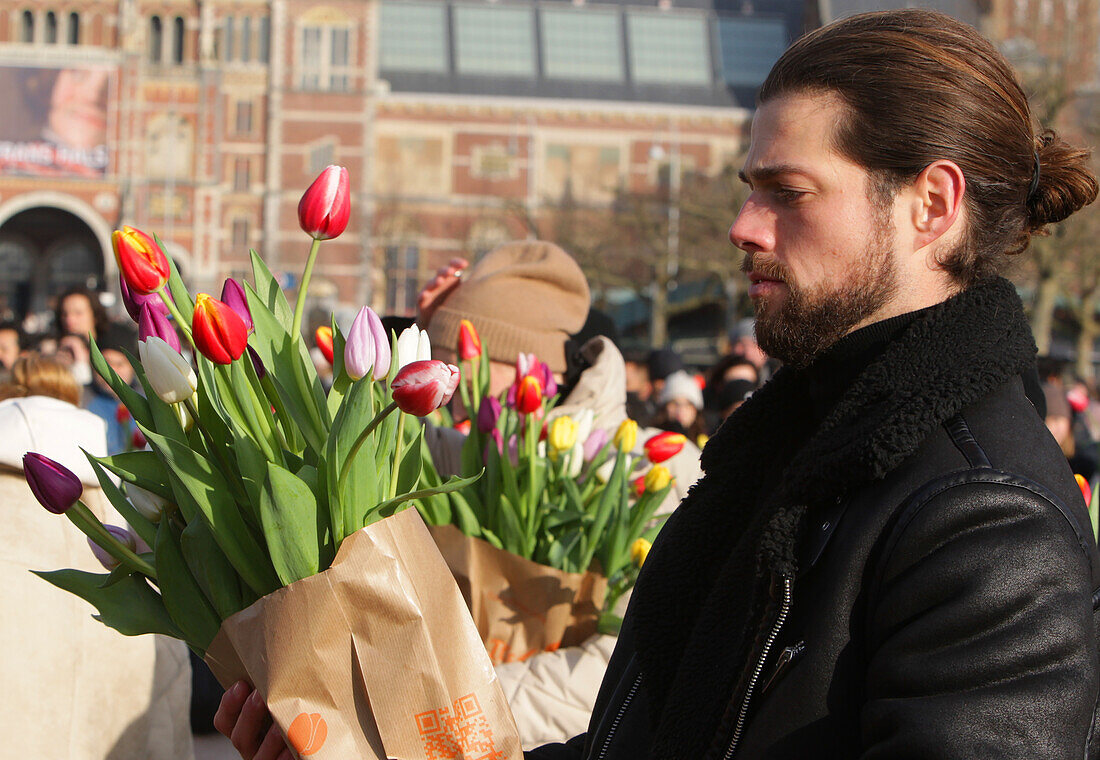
753 229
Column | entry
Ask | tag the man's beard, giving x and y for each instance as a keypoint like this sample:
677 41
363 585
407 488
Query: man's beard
811 320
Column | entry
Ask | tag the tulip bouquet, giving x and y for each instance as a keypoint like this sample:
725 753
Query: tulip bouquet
253 475
556 490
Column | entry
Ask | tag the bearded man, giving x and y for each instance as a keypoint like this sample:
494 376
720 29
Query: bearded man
887 556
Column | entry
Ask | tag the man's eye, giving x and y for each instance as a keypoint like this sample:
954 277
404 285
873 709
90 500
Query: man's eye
788 195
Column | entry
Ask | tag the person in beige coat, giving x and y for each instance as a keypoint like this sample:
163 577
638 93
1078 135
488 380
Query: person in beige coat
73 688
531 296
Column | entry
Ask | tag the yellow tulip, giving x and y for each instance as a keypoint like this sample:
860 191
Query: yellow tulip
626 436
657 478
639 550
562 434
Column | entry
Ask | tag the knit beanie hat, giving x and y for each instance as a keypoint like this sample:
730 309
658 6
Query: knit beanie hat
681 385
527 296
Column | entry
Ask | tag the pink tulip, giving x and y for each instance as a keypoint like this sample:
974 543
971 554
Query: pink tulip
366 346
325 207
423 386
596 441
108 560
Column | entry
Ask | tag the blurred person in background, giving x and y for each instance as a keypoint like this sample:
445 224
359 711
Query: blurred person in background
640 404
80 312
96 395
680 406
75 688
726 400
11 346
661 363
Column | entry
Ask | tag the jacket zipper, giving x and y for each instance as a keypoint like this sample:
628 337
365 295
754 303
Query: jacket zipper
618 718
786 657
784 609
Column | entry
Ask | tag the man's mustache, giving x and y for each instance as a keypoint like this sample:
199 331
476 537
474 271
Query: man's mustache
773 270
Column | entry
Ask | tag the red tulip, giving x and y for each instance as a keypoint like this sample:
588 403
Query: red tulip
325 207
323 337
528 395
137 439
220 335
122 414
639 486
664 446
423 386
54 485
1086 489
469 342
140 260
464 427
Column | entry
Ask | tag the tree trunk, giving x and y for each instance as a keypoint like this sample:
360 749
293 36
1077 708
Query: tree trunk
1042 316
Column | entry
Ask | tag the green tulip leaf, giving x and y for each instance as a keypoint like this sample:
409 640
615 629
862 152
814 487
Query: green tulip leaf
455 483
130 605
183 598
145 529
412 464
177 289
362 488
291 525
270 293
138 406
142 468
215 575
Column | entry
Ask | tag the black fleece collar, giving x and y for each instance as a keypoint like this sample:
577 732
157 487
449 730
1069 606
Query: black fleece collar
701 593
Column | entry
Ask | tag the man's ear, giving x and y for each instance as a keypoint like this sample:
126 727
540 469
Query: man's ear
937 202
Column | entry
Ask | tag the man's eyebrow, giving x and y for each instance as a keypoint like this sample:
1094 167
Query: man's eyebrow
763 173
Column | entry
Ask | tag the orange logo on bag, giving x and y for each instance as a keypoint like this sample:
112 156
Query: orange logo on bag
307 733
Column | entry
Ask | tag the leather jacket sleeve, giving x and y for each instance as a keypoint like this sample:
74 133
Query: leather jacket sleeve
981 638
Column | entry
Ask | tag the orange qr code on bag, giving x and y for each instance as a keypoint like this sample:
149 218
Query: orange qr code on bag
458 732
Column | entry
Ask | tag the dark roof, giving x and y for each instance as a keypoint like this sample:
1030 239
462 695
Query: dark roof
695 52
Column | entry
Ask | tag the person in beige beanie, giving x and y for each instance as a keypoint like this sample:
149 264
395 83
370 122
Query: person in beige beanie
527 295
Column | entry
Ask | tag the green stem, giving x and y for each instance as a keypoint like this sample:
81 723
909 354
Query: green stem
303 286
89 524
397 455
346 468
532 442
475 389
176 315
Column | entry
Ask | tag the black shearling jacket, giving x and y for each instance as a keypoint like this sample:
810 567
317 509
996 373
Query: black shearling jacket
913 577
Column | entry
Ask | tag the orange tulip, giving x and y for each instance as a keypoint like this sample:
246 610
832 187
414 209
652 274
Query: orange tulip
141 261
220 334
323 337
1086 490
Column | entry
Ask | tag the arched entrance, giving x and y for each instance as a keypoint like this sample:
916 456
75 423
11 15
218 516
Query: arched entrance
43 251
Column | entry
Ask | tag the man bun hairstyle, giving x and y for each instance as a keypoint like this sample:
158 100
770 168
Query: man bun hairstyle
921 86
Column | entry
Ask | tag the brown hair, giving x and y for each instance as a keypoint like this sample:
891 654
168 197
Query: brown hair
921 86
37 375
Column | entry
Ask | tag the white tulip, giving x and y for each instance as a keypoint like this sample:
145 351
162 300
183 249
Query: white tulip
413 346
169 373
186 420
576 459
150 505
584 419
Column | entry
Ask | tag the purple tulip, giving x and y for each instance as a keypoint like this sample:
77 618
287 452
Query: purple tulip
54 485
153 323
108 560
546 377
366 346
134 301
513 450
233 296
257 363
488 414
597 439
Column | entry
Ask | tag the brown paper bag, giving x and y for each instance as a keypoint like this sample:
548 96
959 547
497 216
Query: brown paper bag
374 658
520 607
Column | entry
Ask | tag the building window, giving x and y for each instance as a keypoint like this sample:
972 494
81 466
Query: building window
325 58
177 39
156 39
246 39
73 36
669 49
749 48
230 39
263 44
51 27
494 40
322 155
26 31
241 174
414 36
243 123
492 162
402 277
581 44
240 232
